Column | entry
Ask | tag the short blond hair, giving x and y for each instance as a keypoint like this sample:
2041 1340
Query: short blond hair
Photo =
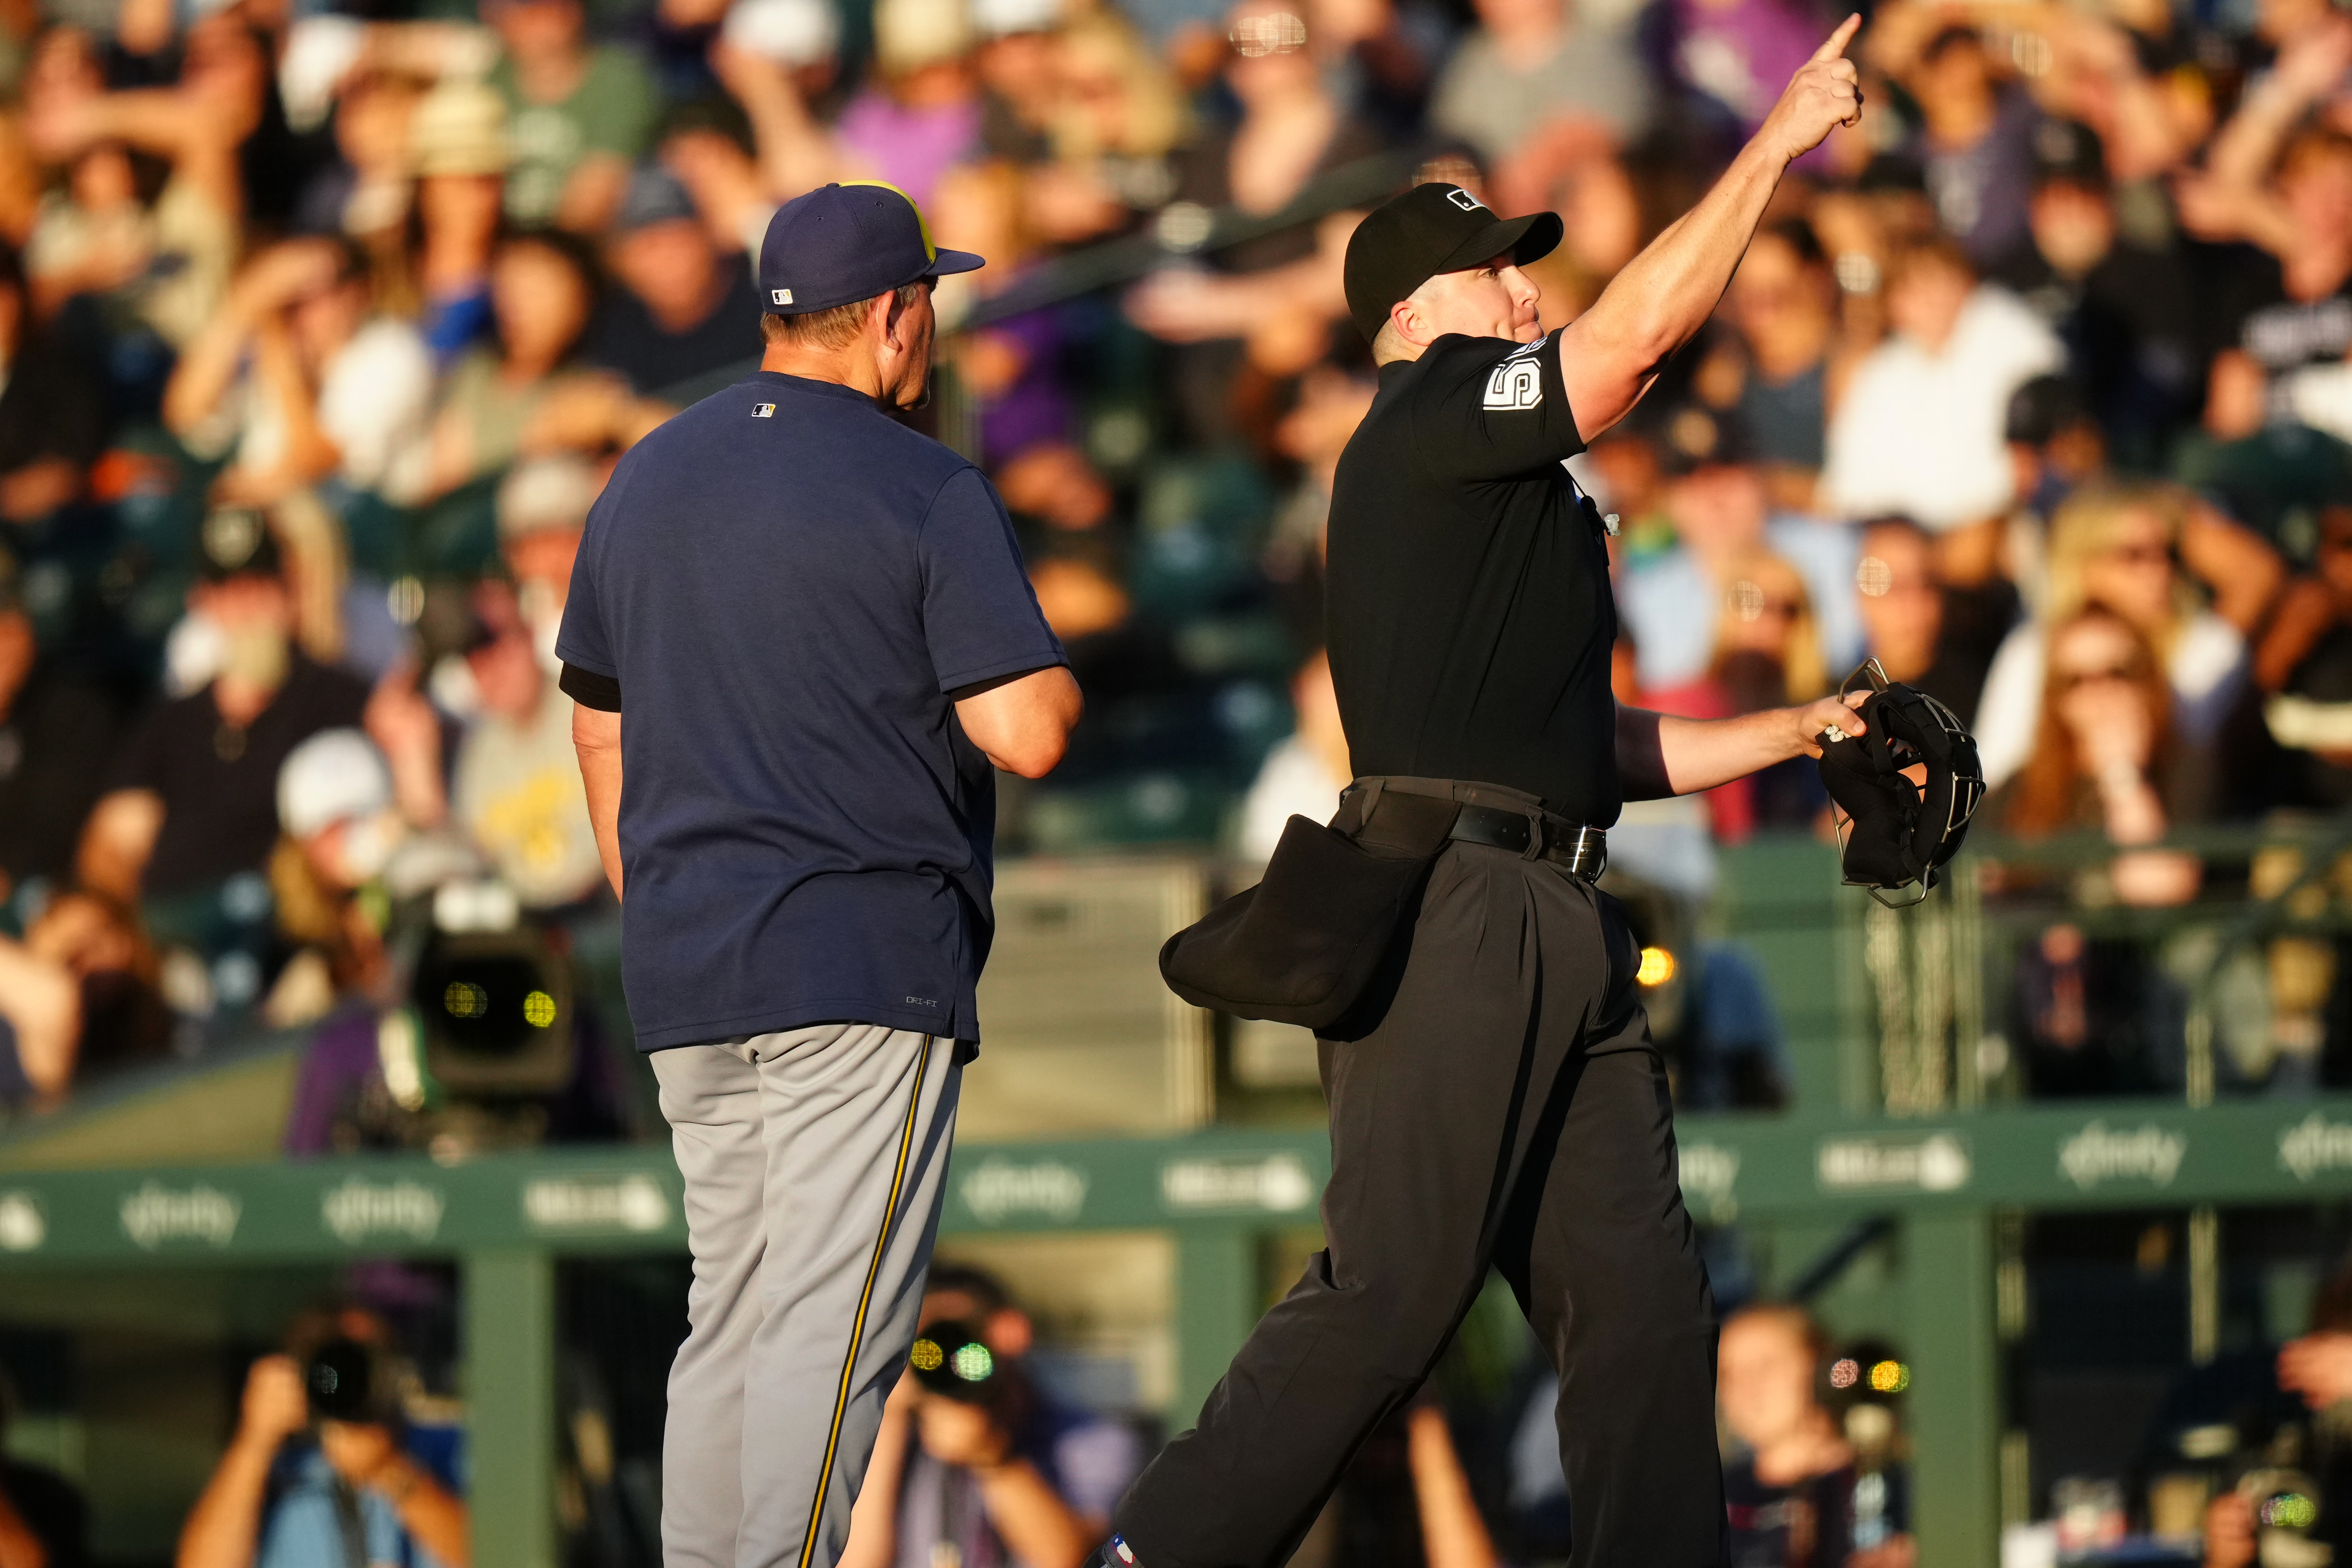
2087 526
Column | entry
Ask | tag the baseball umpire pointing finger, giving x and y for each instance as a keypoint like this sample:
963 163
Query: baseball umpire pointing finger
799 634
1495 1097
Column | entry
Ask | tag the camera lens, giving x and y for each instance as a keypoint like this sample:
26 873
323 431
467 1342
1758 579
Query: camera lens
338 1379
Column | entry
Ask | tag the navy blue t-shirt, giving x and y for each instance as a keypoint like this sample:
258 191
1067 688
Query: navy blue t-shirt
786 583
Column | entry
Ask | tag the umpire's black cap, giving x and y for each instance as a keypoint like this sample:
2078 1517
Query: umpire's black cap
1429 229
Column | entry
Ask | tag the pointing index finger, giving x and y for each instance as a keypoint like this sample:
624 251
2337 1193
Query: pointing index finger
1835 48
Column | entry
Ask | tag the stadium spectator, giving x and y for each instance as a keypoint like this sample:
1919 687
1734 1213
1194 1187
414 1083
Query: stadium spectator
526 394
709 146
580 114
542 509
345 827
2303 665
78 998
51 421
298 380
1923 633
1012 368
1119 112
1959 347
2285 184
1721 511
1975 143
209 128
1010 1477
1731 57
294 1487
458 144
56 739
2273 474
1291 129
2138 551
1782 305
1302 776
364 193
2056 444
2121 306
2107 758
1016 64
1113 651
516 794
1531 67
922 115
1796 1496
686 317
191 799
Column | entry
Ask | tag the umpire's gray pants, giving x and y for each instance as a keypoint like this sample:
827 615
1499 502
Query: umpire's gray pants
814 1160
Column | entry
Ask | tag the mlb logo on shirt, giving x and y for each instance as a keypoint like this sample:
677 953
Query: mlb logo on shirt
763 411
781 295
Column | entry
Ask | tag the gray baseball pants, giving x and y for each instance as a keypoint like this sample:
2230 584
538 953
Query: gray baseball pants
814 1161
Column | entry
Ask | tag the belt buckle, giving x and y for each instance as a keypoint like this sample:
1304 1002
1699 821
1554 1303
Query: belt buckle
1588 859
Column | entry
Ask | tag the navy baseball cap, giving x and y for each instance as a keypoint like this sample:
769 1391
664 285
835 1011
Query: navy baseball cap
839 244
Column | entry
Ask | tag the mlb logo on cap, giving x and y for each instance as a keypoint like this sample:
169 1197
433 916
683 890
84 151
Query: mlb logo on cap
840 244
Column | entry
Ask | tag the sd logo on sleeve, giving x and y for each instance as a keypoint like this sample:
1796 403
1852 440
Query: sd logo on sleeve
1517 382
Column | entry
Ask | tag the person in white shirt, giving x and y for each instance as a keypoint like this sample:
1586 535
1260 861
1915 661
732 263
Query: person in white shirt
1302 776
299 380
1918 429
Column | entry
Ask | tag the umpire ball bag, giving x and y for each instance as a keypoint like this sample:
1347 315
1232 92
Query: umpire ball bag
1907 787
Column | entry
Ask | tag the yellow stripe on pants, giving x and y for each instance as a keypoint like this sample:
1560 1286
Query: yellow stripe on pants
865 1299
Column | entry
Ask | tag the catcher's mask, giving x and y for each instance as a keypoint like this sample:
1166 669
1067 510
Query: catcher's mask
1904 789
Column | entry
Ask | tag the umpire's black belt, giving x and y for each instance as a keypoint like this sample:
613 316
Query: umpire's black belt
1486 814
1301 947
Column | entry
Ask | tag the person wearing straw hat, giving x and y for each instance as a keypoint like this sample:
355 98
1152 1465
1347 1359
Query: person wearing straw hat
800 636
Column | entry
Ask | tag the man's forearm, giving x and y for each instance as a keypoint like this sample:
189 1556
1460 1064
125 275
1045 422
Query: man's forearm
1039 1529
223 1527
596 737
1659 754
436 1520
1668 292
1610 354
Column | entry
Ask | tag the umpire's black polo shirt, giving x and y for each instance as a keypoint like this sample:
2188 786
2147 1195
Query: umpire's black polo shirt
787 584
1468 608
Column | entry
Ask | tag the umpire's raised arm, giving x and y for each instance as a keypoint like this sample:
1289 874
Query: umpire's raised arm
1610 354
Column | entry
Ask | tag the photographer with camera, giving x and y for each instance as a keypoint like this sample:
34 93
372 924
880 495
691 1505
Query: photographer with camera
322 1470
976 1466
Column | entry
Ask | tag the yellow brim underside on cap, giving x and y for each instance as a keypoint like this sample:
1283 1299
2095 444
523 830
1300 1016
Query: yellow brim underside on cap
931 251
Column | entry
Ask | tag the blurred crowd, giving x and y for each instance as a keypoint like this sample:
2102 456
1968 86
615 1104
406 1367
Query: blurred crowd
320 330
993 1451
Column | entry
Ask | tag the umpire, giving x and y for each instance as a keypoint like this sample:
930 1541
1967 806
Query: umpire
802 634
1495 1100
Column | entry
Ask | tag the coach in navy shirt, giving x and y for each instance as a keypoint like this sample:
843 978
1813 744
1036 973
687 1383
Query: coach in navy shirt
800 636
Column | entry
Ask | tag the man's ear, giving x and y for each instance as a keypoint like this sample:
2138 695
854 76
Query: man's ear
882 316
1405 316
